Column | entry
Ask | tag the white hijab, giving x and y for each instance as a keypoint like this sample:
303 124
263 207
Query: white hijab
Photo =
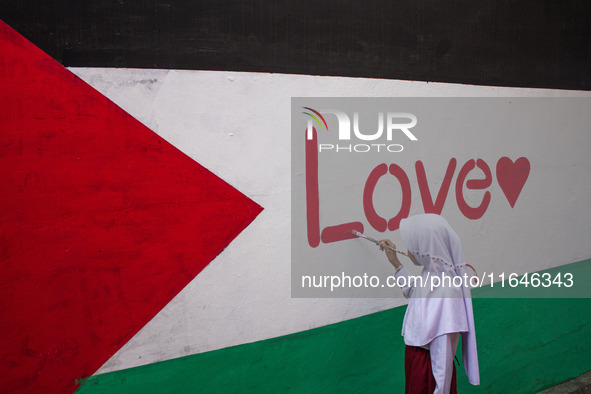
443 310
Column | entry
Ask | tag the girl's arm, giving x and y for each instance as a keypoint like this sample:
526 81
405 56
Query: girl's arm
400 270
408 283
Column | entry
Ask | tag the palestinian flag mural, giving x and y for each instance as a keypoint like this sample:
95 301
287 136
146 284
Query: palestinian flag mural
104 222
146 180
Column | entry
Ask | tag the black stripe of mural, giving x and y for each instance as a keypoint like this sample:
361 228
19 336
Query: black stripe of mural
542 43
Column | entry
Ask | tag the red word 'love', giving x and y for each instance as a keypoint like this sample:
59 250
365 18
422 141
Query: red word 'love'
511 177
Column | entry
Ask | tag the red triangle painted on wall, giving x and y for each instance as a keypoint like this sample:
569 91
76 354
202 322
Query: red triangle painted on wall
103 222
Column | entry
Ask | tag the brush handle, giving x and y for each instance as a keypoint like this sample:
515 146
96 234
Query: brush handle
396 250
357 233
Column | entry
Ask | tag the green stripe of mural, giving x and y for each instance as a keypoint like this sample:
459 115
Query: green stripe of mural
525 345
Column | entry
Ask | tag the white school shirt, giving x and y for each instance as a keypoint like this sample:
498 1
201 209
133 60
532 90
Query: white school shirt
442 349
436 311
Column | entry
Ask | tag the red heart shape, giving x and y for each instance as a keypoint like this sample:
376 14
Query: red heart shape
512 176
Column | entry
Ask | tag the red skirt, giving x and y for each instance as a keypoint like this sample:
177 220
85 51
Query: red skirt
418 373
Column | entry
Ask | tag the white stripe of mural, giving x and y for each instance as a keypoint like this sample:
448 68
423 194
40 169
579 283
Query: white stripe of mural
238 126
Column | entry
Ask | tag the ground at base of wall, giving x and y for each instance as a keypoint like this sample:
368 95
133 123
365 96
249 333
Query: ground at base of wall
578 385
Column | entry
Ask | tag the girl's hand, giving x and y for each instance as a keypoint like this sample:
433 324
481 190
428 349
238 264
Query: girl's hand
390 253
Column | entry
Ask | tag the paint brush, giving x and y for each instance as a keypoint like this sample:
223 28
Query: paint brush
375 241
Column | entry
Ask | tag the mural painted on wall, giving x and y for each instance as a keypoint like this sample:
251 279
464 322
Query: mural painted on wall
103 222
350 136
511 177
88 36
364 164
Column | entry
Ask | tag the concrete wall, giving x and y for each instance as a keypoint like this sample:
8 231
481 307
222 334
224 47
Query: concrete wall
231 315
206 316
